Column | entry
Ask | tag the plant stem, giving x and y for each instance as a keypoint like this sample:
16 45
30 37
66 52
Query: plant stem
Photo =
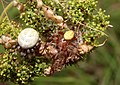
5 10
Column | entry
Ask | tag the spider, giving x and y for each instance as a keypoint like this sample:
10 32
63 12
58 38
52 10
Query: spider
62 52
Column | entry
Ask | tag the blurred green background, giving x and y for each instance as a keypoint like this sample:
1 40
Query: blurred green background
103 65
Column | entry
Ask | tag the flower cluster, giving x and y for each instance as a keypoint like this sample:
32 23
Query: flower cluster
61 32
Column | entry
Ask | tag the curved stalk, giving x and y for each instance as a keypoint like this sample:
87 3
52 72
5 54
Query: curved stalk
5 10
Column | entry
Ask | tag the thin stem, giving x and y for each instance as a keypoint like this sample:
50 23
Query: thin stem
93 29
101 44
5 10
5 1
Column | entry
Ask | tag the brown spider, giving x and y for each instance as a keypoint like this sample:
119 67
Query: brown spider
62 52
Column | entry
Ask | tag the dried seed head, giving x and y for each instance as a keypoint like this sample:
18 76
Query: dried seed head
60 24
8 45
39 3
13 42
41 49
84 48
48 12
15 3
69 35
47 71
63 25
58 19
5 38
20 7
52 50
